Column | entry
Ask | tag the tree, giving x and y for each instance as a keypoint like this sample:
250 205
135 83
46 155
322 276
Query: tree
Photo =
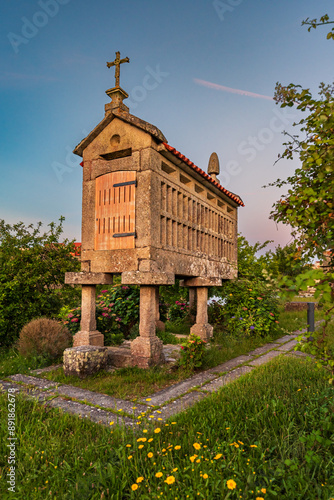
32 268
308 206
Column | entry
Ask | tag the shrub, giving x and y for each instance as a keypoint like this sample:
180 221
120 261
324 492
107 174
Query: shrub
178 312
250 308
44 337
192 352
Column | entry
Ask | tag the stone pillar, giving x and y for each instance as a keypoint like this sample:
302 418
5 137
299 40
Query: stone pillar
159 324
192 302
146 350
202 327
88 335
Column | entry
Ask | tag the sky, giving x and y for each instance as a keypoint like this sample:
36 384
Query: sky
203 72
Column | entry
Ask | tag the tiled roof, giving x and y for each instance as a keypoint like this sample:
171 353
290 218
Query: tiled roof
207 177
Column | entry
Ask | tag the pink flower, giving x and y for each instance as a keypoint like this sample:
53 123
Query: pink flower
271 314
70 315
105 315
104 291
74 320
125 288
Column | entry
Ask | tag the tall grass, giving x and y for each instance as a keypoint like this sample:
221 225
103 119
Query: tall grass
268 435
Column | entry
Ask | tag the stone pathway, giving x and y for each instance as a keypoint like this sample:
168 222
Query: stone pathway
107 410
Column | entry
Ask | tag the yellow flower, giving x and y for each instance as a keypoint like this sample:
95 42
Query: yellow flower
205 476
157 430
129 457
150 455
134 487
144 430
197 446
192 459
128 445
253 446
263 490
240 442
170 480
231 484
111 423
259 498
177 447
148 399
140 446
218 456
139 479
158 474
174 470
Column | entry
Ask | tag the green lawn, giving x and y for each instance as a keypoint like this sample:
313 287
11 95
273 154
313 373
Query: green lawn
270 434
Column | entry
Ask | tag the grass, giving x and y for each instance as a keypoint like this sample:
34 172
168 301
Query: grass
270 433
126 383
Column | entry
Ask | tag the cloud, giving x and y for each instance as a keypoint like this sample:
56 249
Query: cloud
229 89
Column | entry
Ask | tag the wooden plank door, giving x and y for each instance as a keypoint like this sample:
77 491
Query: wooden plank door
115 204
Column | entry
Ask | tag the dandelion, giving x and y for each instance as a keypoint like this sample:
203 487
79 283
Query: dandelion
158 474
129 457
134 487
148 399
231 484
219 455
253 446
264 491
177 447
139 479
150 440
205 476
170 480
197 446
111 423
259 498
150 455
140 446
157 430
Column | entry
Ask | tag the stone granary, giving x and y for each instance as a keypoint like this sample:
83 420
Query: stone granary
150 215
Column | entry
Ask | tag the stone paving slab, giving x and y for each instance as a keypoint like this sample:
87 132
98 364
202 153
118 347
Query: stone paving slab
264 359
37 382
262 350
85 411
215 385
229 365
180 388
287 337
32 393
102 400
45 370
179 405
287 347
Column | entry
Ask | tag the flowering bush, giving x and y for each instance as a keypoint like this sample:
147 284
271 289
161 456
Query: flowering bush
192 352
250 308
178 312
117 311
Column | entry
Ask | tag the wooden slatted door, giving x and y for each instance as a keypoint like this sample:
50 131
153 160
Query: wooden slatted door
115 200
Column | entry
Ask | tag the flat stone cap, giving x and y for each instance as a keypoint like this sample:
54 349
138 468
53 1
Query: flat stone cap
85 348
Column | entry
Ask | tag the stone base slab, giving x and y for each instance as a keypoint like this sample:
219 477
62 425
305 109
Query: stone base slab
83 338
83 278
147 278
205 331
147 351
119 357
85 360
201 281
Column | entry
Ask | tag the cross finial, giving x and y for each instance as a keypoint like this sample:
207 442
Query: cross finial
117 62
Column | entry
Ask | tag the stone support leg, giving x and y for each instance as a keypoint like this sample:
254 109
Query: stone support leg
159 324
192 302
202 327
146 350
88 335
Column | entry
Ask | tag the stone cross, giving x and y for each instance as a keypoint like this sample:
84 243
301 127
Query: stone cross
117 62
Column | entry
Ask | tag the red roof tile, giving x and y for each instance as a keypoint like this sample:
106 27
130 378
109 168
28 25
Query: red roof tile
207 177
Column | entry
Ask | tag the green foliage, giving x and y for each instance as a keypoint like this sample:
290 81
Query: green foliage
249 265
250 308
44 337
167 337
178 312
192 352
313 23
32 269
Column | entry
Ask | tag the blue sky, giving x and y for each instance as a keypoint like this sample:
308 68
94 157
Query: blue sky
53 79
